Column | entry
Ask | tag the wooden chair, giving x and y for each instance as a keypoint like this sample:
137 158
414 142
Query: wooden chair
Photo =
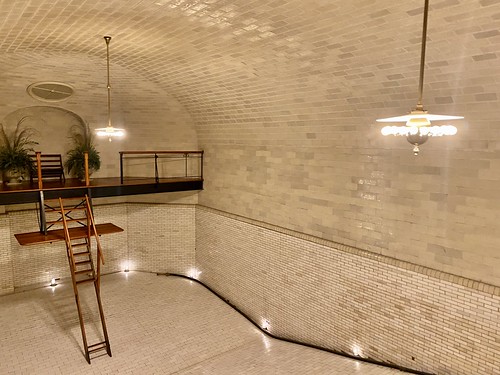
51 165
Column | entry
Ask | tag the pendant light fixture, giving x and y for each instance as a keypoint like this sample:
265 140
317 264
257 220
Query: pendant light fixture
109 131
418 122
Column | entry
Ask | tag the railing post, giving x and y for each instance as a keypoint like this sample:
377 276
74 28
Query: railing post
41 200
201 168
86 161
39 169
43 220
157 178
186 155
121 167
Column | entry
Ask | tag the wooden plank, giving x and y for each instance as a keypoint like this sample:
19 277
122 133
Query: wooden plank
33 238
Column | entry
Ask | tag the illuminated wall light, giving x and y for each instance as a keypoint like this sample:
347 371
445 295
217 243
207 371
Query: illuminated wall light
356 350
194 273
265 325
53 282
126 266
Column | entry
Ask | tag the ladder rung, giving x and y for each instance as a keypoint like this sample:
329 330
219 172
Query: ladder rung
96 347
84 281
79 244
99 343
80 254
82 262
83 271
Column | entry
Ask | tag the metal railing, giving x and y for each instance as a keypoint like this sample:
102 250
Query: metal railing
41 197
163 164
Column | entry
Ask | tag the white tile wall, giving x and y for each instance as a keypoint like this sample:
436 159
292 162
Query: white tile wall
157 238
345 301
6 274
115 246
307 289
34 264
283 96
161 237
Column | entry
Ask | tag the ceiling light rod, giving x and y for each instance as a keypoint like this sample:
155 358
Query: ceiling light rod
420 106
108 39
109 131
418 122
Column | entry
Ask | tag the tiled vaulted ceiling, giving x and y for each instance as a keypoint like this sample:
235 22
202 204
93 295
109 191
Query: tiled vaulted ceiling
282 96
218 57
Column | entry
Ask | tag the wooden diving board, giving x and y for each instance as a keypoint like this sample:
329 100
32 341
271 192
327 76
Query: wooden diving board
33 238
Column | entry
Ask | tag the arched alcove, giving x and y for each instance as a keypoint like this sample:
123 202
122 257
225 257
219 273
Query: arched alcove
52 125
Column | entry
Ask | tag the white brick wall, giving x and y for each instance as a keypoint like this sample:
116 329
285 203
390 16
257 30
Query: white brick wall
161 237
156 238
308 289
34 264
283 96
115 246
6 275
348 299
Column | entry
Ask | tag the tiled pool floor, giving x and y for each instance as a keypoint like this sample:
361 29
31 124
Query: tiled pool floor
157 325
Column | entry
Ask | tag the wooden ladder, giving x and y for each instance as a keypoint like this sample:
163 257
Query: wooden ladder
81 264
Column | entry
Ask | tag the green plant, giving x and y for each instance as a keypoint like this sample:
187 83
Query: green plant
15 149
83 141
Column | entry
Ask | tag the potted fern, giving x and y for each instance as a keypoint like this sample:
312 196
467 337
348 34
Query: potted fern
15 149
83 141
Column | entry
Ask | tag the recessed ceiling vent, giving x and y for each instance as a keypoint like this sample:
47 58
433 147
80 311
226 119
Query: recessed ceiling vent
50 91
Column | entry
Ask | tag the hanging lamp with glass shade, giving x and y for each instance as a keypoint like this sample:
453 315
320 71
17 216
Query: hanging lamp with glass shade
109 131
418 126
